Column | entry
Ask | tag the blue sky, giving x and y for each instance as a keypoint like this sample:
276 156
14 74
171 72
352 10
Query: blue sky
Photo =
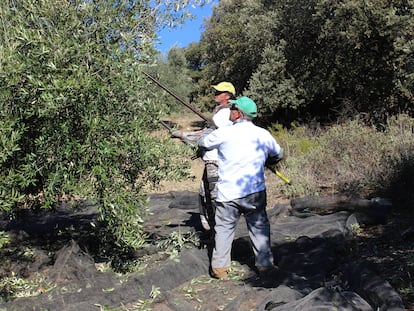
187 33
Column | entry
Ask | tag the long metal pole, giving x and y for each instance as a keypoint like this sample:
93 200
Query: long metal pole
205 118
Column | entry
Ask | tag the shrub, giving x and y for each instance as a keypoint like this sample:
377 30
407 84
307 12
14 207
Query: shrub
352 158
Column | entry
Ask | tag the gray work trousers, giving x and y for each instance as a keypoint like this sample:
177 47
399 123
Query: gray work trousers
227 216
208 191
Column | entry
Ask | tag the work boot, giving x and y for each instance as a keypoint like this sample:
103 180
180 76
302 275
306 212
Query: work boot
219 273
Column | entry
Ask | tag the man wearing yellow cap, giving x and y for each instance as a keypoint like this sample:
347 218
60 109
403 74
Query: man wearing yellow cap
224 92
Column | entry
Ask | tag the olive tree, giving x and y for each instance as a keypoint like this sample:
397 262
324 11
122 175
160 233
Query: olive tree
75 112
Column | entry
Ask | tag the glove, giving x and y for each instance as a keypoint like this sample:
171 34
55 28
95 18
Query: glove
272 161
177 134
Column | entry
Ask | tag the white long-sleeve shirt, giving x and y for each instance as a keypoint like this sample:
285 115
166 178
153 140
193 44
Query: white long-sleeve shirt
221 118
242 152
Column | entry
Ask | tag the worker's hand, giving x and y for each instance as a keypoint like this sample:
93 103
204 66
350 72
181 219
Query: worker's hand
199 153
272 162
210 124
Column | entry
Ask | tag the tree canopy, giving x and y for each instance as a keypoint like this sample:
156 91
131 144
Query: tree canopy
75 109
318 58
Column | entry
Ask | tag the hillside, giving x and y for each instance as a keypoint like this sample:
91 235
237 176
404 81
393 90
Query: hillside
328 255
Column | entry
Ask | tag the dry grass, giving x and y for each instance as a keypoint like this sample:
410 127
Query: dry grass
350 158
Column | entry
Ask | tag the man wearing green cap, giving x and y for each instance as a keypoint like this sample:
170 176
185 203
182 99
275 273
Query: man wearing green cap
224 91
243 150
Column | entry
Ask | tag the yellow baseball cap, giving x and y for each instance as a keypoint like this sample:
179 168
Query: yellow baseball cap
225 87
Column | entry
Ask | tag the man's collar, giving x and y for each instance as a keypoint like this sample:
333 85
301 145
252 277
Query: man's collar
240 120
222 106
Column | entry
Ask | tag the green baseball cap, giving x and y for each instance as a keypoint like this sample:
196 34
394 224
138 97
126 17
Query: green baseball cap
246 105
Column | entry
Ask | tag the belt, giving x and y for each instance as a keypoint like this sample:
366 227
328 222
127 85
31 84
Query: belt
211 162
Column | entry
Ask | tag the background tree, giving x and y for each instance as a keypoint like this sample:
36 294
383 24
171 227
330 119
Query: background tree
225 44
75 112
271 84
174 72
194 54
345 57
342 57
